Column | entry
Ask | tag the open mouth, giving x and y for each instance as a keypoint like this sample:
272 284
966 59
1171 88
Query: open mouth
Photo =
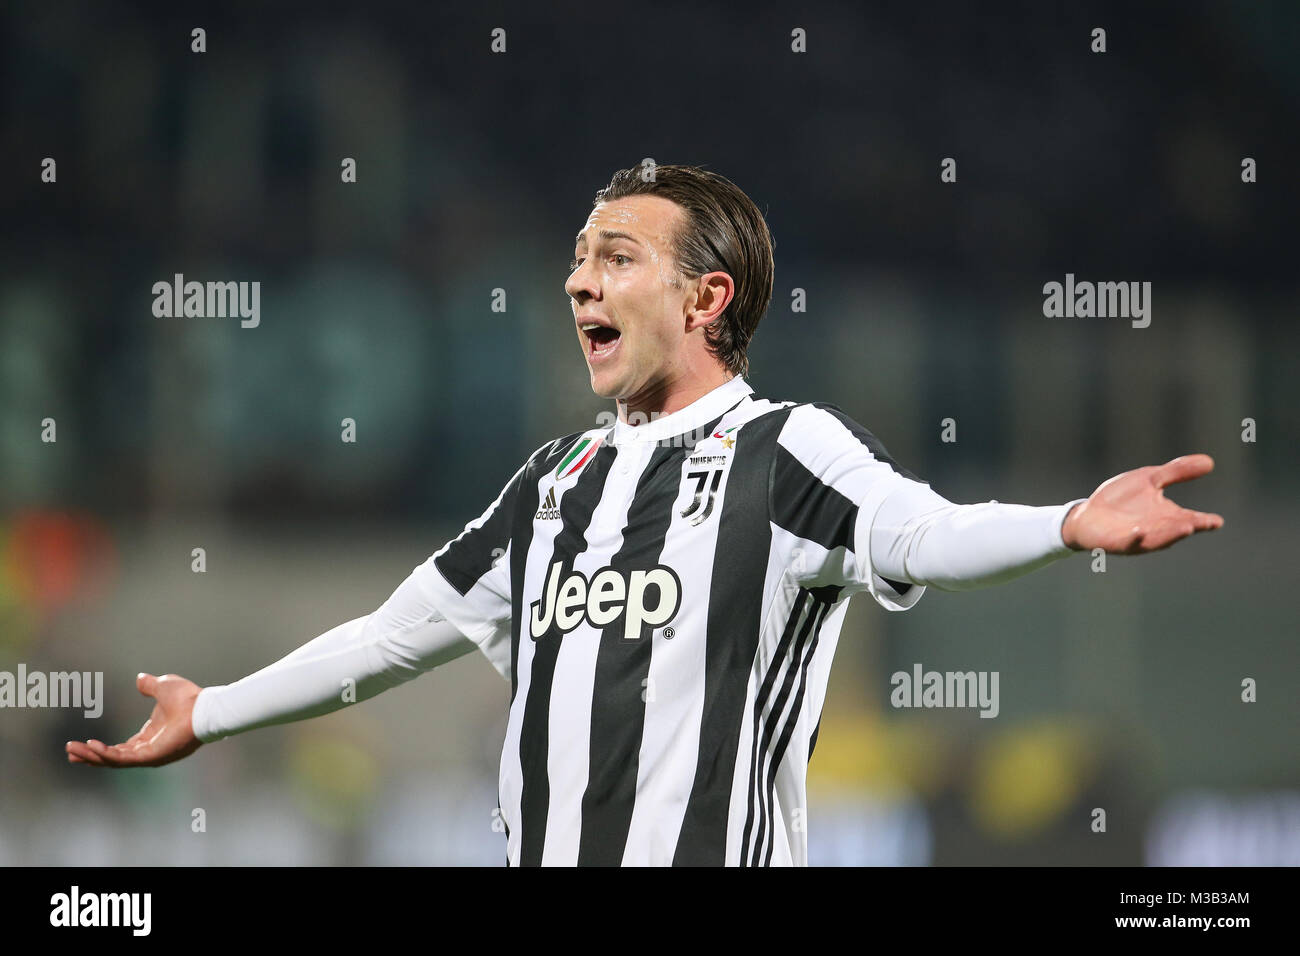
601 340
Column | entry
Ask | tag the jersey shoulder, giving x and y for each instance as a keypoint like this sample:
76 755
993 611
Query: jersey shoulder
828 422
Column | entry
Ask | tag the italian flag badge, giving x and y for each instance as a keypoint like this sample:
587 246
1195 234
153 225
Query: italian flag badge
578 456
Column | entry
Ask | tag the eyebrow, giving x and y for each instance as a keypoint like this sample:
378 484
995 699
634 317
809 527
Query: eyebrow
608 234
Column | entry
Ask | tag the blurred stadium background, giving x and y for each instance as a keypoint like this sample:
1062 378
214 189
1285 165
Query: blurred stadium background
1118 690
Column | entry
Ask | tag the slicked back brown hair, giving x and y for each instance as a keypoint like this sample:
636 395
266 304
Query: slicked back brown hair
723 231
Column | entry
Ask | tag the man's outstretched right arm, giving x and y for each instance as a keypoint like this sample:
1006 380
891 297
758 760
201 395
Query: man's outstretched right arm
456 601
352 662
404 638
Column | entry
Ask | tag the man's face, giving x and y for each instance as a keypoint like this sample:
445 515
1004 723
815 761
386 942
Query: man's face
630 317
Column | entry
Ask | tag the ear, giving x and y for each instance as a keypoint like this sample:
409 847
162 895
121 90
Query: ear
713 293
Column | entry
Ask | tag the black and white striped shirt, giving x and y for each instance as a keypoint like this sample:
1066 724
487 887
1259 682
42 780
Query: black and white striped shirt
665 600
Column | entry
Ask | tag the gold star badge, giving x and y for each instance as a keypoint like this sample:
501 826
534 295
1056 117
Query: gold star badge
728 442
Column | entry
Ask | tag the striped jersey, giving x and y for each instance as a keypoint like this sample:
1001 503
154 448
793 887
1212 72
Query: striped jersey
665 600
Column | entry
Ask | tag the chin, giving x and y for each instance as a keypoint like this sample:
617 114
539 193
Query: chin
606 386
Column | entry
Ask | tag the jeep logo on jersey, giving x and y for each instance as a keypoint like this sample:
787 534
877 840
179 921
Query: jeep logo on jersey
609 595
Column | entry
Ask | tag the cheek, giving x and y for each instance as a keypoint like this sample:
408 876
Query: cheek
646 307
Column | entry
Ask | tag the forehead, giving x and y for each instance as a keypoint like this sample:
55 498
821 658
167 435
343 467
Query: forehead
649 219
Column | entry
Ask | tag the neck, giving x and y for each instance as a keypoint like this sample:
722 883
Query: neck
670 395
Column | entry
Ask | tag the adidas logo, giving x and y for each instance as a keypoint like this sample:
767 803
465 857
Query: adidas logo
549 511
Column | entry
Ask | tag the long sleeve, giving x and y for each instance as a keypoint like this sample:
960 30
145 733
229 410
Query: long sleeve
920 537
401 640
857 518
456 601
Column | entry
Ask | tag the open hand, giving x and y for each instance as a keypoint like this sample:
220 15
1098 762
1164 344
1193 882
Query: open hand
166 736
1129 514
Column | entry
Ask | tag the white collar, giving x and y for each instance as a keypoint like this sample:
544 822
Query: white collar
700 412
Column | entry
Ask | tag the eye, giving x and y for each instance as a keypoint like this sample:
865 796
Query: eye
574 263
619 255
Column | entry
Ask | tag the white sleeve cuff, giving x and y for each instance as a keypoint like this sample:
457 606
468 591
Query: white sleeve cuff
1057 540
202 721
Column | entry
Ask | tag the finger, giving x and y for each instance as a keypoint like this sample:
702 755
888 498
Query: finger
1196 520
121 751
76 749
1170 532
1183 468
146 684
1205 521
112 756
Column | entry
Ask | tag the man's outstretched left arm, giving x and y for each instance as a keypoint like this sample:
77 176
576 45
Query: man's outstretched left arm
918 536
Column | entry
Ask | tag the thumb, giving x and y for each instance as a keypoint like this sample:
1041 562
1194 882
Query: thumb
1183 468
146 684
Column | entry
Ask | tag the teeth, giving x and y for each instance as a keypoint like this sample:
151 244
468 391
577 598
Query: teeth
588 326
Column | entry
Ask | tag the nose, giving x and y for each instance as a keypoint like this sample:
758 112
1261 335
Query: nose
581 283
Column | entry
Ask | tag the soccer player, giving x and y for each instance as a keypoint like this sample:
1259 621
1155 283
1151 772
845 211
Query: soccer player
665 594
